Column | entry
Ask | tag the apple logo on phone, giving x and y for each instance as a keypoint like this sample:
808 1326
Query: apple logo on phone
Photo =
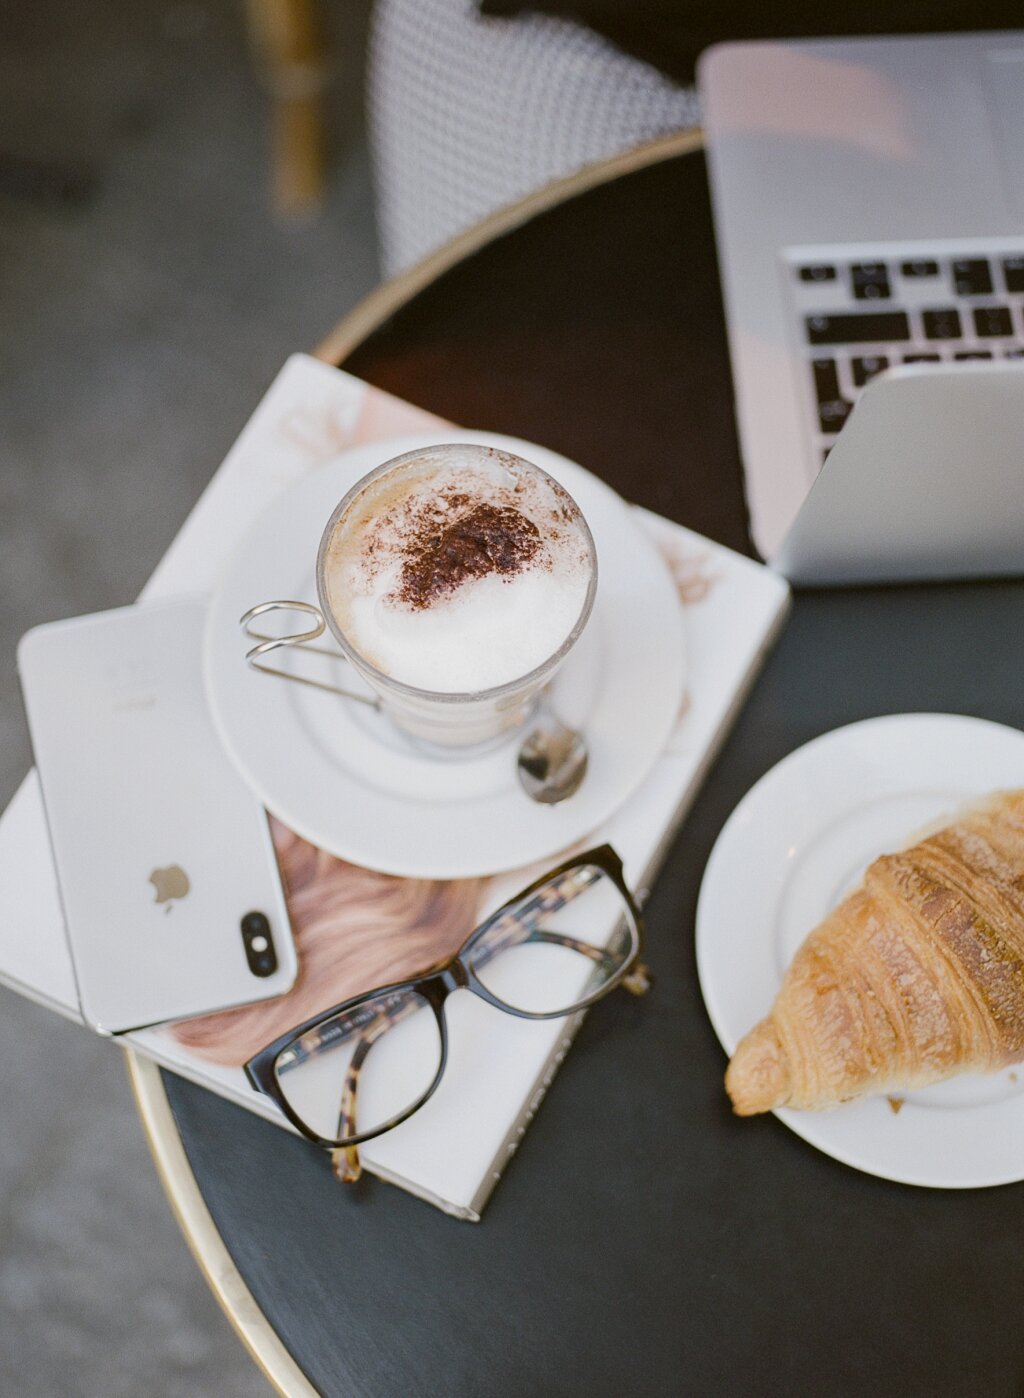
169 883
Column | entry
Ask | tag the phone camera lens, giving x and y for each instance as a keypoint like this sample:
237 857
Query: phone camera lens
255 925
259 944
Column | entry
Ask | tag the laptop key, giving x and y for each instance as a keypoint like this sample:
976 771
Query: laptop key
922 359
870 281
871 291
943 324
1013 271
826 380
972 276
992 321
974 354
1013 354
867 367
819 272
833 415
871 327
920 269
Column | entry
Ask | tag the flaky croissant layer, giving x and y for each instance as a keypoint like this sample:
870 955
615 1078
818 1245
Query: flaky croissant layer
917 976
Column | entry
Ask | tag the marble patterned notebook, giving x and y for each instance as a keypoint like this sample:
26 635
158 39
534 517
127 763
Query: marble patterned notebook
356 929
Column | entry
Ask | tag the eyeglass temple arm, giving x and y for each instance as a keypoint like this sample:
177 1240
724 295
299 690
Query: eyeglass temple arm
555 896
345 1159
637 982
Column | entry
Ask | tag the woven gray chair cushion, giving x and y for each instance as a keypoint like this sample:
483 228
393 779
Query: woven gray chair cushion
469 113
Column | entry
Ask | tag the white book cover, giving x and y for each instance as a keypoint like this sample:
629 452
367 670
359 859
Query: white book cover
356 929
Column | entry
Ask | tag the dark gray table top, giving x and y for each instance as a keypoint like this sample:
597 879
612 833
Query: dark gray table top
644 1241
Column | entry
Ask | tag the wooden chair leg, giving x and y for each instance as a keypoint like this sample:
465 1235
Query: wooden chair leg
288 38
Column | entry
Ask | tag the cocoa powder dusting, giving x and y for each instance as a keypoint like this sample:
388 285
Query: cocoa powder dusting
487 539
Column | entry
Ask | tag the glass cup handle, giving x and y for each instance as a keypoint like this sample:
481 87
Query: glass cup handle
300 640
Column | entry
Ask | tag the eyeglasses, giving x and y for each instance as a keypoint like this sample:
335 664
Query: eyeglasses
357 1070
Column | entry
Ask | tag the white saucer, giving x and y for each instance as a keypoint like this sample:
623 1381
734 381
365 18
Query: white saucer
341 776
797 843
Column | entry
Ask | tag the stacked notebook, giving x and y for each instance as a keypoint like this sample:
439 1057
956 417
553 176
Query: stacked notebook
454 1149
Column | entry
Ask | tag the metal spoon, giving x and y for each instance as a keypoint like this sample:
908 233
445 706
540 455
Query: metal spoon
552 760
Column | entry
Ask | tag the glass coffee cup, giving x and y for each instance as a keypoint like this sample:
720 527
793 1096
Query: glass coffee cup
455 580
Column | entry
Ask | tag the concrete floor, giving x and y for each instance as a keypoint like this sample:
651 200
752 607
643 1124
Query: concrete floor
147 297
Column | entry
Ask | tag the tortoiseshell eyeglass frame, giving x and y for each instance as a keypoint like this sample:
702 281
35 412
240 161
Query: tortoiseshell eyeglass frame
435 985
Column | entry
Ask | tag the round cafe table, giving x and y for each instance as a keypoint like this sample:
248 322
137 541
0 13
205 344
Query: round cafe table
643 1241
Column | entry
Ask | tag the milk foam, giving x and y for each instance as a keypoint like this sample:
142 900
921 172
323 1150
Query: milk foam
452 633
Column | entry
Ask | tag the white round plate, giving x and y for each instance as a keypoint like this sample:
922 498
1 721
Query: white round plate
341 776
793 848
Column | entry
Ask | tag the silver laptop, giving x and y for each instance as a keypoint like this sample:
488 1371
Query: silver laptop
868 198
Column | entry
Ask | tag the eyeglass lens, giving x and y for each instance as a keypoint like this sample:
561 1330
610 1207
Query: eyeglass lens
362 1068
558 946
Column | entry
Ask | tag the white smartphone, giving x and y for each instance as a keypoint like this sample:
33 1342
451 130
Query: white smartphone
171 892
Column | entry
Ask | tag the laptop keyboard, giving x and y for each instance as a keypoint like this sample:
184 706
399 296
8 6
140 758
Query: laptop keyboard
862 310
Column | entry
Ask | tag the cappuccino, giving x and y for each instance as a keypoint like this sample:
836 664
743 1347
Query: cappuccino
457 570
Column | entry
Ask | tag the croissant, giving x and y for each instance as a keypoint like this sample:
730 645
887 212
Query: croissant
917 976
